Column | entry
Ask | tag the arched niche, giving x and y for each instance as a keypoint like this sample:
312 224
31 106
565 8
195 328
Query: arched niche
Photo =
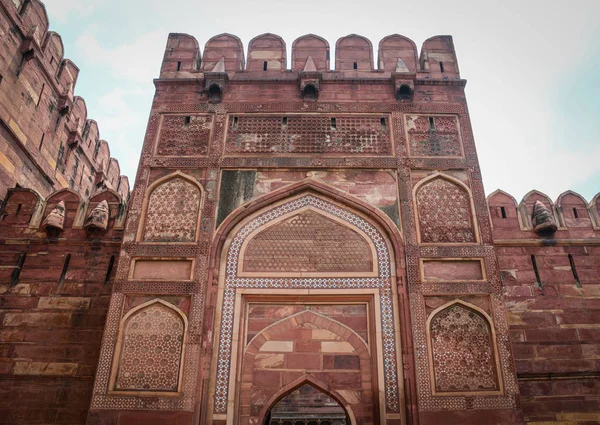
463 354
528 201
150 349
74 213
115 205
233 288
171 210
23 207
308 242
444 211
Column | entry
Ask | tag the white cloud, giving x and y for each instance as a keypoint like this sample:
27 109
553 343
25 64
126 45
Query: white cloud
138 61
61 9
122 123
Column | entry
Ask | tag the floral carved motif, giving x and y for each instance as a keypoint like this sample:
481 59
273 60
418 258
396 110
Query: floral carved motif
308 242
151 351
462 351
184 135
433 136
309 134
172 214
444 212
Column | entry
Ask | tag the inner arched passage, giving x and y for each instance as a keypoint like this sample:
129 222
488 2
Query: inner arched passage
308 346
307 405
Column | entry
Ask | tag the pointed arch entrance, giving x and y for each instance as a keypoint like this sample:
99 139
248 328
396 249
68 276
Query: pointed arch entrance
307 402
262 283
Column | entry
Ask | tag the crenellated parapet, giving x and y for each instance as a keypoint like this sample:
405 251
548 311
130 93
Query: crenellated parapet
26 215
48 142
223 62
574 217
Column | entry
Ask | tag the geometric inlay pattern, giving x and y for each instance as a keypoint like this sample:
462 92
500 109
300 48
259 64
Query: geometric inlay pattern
172 214
433 136
184 135
461 344
444 212
151 351
308 242
309 134
382 283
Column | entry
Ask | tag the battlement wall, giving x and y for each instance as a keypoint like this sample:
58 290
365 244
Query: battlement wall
58 259
551 286
574 216
267 55
48 142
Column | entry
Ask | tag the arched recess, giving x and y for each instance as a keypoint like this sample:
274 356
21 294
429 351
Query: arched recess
528 201
303 236
463 351
307 320
23 207
444 211
392 311
74 211
150 349
307 380
115 205
171 210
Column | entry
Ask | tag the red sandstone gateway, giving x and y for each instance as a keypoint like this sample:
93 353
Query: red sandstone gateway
306 246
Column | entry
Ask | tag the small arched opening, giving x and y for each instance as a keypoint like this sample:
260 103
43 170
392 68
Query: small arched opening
215 93
307 405
310 92
404 92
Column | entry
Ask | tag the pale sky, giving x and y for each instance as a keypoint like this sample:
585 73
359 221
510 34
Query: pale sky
532 69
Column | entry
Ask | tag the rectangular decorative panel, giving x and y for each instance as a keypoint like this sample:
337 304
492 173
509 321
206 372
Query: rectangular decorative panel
184 135
308 134
162 270
436 136
452 270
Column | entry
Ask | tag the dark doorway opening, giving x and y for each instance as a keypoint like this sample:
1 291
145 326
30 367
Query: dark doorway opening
307 405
